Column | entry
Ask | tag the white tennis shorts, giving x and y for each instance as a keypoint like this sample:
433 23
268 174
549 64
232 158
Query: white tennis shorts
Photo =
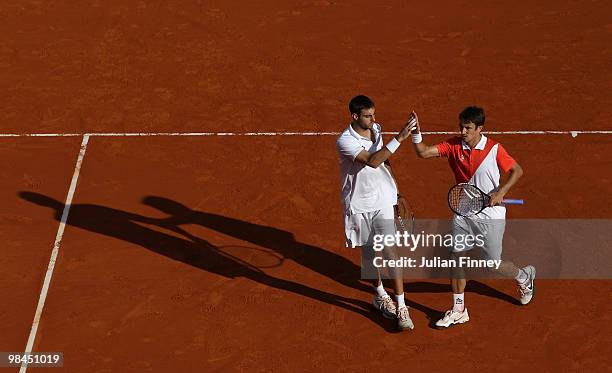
491 231
360 229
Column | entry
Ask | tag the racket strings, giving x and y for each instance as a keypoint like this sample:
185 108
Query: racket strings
464 200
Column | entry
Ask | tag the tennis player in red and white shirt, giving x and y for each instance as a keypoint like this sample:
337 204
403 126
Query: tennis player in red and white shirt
477 160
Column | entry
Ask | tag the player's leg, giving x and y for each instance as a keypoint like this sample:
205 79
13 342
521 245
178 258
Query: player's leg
458 314
384 224
359 233
458 280
382 300
525 277
404 322
458 286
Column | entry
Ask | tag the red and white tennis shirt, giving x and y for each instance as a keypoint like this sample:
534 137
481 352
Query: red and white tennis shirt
479 166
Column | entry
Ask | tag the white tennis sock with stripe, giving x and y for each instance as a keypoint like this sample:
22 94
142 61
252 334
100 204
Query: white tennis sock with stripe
458 304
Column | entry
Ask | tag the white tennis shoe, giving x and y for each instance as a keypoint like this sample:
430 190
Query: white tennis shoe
452 317
385 305
527 287
404 322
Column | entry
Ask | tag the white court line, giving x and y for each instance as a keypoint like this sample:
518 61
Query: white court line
144 134
40 134
55 251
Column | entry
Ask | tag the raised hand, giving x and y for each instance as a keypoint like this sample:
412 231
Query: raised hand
414 118
411 126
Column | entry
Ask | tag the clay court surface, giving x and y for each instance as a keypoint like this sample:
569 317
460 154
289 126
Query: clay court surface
226 253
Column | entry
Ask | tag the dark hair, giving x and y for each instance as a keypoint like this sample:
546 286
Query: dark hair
359 103
472 114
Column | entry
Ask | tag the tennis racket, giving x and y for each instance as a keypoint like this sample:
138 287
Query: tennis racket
405 225
468 200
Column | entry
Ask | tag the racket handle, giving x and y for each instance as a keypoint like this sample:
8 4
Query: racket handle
512 201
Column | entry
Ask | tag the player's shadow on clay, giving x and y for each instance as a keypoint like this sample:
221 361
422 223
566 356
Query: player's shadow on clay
202 254
192 250
333 266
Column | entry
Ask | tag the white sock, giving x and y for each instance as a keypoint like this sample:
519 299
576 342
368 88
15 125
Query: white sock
400 301
380 290
458 304
521 276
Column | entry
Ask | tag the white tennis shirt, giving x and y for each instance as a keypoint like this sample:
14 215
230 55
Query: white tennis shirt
363 188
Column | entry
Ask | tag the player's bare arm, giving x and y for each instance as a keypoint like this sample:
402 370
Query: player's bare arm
376 159
514 174
425 151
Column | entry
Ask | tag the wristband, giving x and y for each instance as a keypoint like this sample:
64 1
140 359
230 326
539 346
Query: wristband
417 138
393 145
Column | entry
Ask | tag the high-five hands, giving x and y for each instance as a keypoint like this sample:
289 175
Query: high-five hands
412 126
